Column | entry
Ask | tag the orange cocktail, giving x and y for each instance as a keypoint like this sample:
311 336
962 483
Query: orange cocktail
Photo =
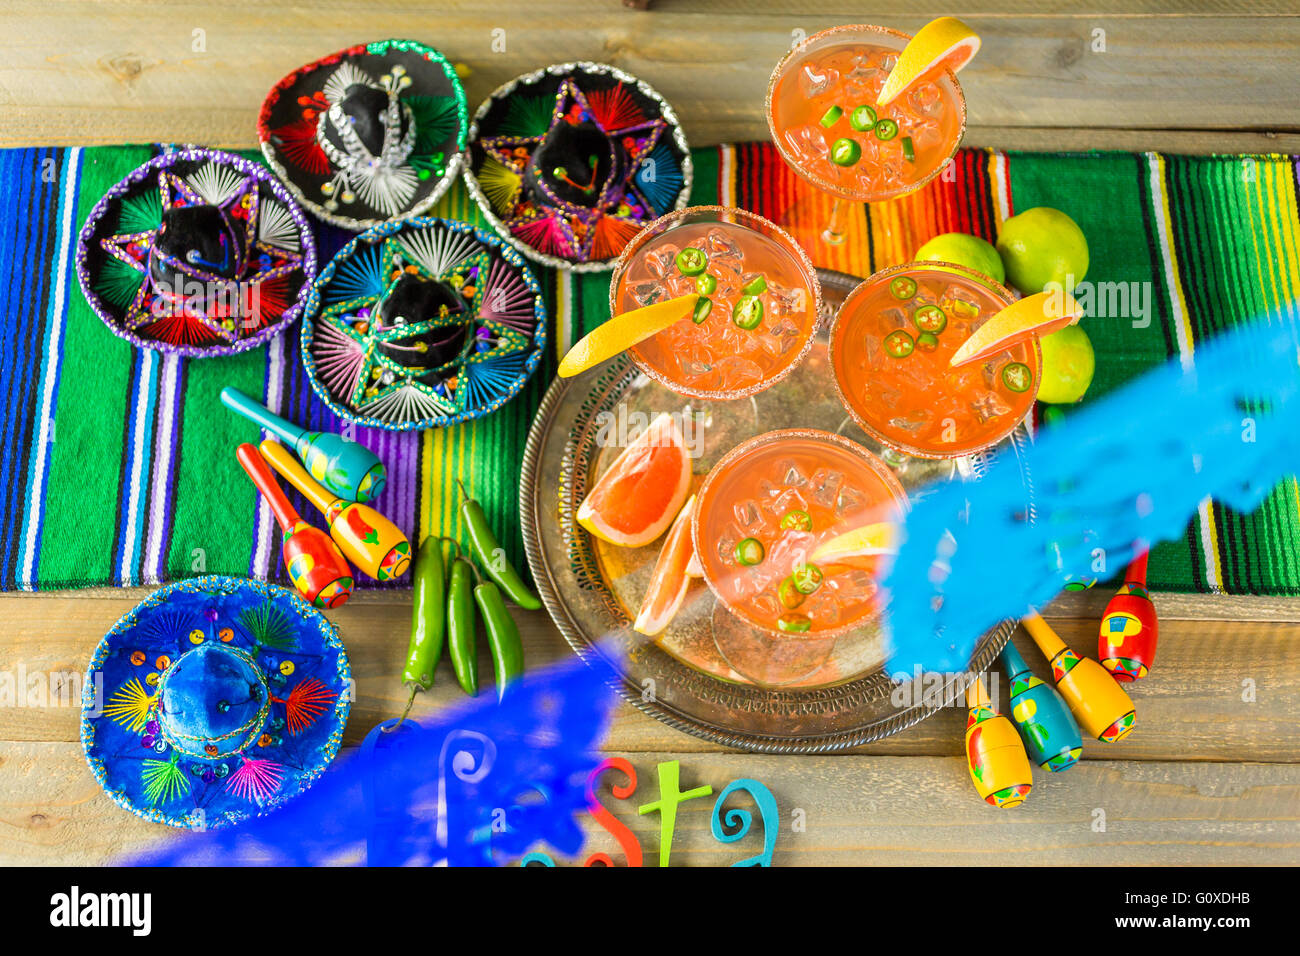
758 305
766 508
890 348
824 119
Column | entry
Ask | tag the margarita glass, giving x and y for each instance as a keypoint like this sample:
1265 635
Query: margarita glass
822 112
764 510
890 348
758 306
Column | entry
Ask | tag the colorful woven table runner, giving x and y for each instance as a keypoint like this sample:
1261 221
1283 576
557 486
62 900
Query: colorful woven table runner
119 464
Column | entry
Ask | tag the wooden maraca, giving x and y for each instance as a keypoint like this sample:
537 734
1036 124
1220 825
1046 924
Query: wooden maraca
1099 704
995 757
1051 736
348 469
371 542
1126 644
315 564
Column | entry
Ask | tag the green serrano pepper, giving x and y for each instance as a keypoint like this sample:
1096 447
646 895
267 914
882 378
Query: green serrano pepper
461 645
503 636
428 616
490 554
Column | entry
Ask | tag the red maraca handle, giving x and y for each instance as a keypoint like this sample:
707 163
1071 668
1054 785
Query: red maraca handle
260 472
1137 571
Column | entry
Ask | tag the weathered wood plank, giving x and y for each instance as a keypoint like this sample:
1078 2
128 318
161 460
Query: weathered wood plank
80 72
1191 708
874 811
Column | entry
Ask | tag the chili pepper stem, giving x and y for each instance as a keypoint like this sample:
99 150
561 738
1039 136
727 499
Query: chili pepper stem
410 702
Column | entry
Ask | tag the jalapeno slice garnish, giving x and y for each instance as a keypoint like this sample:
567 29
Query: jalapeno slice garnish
831 117
798 520
692 261
886 129
749 552
909 151
930 318
789 595
748 312
863 118
1017 376
794 623
706 284
845 152
898 344
807 578
927 341
755 286
703 307
902 287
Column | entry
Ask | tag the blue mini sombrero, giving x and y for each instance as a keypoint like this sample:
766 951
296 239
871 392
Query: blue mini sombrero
222 698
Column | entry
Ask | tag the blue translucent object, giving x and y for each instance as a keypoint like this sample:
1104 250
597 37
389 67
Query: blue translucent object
1132 465
478 784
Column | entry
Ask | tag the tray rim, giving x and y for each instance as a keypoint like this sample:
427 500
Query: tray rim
953 687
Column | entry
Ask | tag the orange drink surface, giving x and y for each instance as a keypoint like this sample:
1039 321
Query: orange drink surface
766 507
823 115
890 349
759 299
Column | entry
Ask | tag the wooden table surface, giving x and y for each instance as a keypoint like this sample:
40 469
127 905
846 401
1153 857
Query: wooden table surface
1212 773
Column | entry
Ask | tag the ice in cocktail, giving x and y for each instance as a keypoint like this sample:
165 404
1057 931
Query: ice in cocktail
827 124
767 507
757 308
891 348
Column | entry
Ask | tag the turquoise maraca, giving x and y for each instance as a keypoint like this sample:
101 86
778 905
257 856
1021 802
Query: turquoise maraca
348 470
1050 734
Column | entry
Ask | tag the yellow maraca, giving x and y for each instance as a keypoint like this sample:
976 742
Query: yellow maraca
1099 704
371 542
995 757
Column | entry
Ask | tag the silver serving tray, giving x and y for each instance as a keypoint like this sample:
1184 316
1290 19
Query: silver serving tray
724 684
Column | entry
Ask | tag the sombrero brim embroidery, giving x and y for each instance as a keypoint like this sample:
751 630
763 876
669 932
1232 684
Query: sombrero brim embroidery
411 176
649 175
301 725
503 310
207 313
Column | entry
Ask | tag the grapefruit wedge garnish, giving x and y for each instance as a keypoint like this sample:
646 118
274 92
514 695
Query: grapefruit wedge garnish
671 578
865 542
943 44
1034 315
643 490
624 331
694 569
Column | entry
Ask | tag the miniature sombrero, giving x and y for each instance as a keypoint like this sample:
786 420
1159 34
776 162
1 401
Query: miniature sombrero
569 163
196 252
421 324
214 700
370 134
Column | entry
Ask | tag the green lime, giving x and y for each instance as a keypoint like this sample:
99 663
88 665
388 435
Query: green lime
1068 364
963 250
1041 246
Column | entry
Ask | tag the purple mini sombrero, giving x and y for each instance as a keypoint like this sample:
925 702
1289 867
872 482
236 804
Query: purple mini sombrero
569 163
198 253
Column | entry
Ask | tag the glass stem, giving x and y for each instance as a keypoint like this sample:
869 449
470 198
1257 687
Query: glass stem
833 234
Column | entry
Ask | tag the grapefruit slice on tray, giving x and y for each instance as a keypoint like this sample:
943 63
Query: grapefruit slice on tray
942 44
671 577
1034 315
637 498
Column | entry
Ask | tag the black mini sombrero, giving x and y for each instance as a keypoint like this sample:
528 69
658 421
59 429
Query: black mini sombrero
370 134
